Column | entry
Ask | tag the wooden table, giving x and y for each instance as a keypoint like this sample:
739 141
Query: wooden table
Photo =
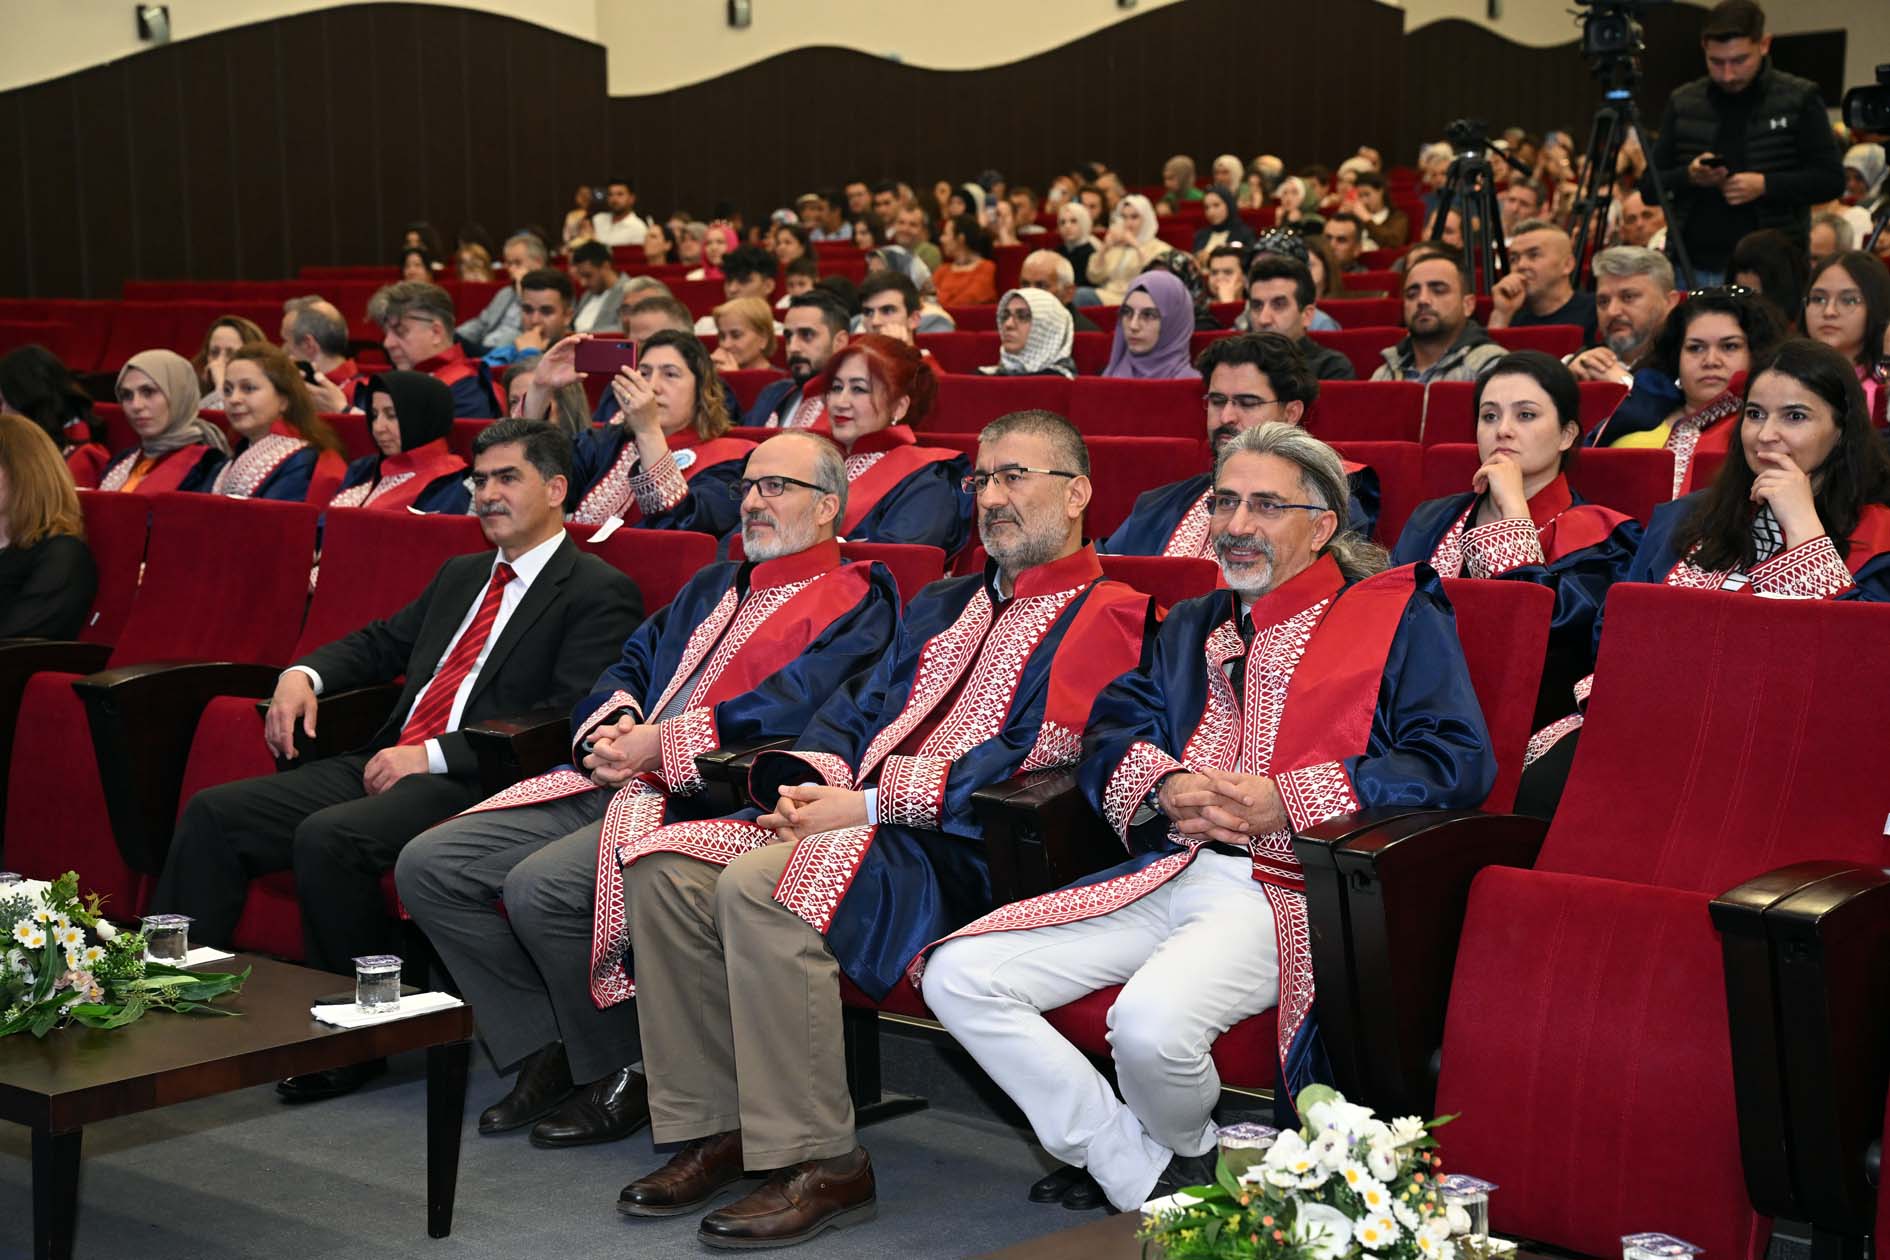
1111 1238
79 1075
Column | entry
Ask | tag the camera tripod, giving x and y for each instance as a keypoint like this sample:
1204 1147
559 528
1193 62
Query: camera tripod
1470 190
1615 121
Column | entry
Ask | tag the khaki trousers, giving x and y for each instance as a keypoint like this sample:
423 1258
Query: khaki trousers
739 1002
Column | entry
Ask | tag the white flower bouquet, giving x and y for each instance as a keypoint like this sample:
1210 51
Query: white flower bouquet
62 963
1346 1186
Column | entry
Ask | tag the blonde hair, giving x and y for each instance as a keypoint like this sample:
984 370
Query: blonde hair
753 312
43 500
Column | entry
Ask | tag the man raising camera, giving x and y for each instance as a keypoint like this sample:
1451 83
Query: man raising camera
1744 148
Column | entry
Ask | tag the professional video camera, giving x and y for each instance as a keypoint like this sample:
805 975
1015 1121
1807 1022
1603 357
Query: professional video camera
1867 108
1467 135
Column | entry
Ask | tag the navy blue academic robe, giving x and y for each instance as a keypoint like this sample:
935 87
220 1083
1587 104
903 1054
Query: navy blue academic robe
1157 513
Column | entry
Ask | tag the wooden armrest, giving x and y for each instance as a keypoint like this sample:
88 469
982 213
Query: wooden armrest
1040 834
730 764
142 719
1386 892
1807 958
344 721
513 748
20 659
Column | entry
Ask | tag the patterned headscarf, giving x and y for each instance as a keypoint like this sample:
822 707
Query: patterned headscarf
1047 349
1169 358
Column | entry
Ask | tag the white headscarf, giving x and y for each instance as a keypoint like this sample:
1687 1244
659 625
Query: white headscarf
1868 161
1047 348
1146 232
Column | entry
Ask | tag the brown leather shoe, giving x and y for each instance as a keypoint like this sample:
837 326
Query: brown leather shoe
797 1203
691 1178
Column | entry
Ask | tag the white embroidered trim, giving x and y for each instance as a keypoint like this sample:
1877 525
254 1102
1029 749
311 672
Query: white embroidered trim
240 478
858 464
701 639
682 738
832 769
618 700
819 872
1057 745
364 494
912 790
612 491
633 813
1447 556
1191 531
1130 781
554 786
1811 570
661 488
1495 549
1312 794
1549 736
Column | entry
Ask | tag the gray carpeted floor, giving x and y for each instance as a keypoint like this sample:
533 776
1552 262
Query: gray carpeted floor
243 1175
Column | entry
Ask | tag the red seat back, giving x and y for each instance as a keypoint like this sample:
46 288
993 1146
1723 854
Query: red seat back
973 318
1105 406
1009 260
967 403
1556 339
747 385
375 563
1201 339
700 296
1365 347
1123 467
1399 466
1373 282
116 526
1449 414
963 352
224 579
912 565
1363 312
1367 411
1166 579
659 561
465 432
1090 352
1504 629
53 335
1627 480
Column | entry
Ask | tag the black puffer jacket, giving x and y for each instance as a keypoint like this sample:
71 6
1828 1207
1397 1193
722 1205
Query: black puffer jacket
1777 127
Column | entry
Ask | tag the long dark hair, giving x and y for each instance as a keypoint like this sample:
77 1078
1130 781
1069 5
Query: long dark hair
1556 381
1780 267
37 385
1872 279
1855 474
1756 318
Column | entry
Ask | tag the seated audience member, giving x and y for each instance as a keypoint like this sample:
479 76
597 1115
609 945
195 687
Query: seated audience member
1442 342
1518 204
1294 204
813 331
1865 185
656 245
898 491
1221 223
797 278
1520 521
1181 265
472 264
1540 287
544 310
1154 330
313 332
1025 208
800 623
417 265
1633 294
1127 249
790 241
340 822
663 461
1642 222
416 322
969 277
746 272
912 232
1226 274
1831 235
1076 236
1252 378
1280 300
868 234
744 336
283 449
1227 171
410 416
500 321
600 306
577 220
1003 224
646 316
1316 255
177 448
1056 275
1035 335
1029 642
1849 310
1178 181
899 268
226 335
1687 389
618 222
1388 226
887 198
570 410
718 242
35 384
47 578
1770 264
1204 772
1346 235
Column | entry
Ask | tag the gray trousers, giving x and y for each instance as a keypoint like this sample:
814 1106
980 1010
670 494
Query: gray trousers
526 972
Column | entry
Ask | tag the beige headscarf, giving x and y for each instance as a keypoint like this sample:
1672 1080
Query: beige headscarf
177 381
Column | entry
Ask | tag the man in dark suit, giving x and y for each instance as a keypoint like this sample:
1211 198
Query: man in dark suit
530 626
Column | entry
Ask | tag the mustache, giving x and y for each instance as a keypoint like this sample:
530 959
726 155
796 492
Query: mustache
491 509
1256 542
998 516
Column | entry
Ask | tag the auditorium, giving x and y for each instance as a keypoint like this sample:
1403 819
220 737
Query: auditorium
623 625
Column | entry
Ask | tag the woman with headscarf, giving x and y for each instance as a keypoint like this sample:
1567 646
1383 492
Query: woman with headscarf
1076 235
1035 334
1181 267
1153 331
1221 223
1864 188
1130 246
410 415
715 247
177 448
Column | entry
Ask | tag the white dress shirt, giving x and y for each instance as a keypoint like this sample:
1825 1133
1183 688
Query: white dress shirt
629 231
525 570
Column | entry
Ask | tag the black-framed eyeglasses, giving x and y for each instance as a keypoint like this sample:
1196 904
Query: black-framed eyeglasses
771 487
1009 477
1013 316
1242 402
1221 503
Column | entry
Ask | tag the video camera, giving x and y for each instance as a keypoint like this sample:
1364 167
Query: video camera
1867 108
1467 135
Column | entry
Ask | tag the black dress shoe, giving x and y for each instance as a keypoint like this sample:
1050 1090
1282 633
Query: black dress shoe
1051 1187
1184 1171
333 1083
1085 1194
603 1111
544 1081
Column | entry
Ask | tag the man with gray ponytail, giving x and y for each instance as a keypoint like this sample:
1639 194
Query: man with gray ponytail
1247 722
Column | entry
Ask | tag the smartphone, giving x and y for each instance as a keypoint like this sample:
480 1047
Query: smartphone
1714 160
308 371
606 355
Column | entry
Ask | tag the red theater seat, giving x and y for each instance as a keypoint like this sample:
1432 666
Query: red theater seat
1364 312
1559 340
967 403
973 318
1122 468
748 385
1370 283
659 561
1367 411
1166 579
1627 480
1365 347
1449 415
1399 468
1103 406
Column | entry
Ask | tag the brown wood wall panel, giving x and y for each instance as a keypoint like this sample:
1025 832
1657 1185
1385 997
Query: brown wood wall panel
316 138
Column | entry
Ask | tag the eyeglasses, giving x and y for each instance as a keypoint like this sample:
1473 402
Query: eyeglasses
1134 315
1849 300
771 487
1223 504
1009 477
1242 402
1013 317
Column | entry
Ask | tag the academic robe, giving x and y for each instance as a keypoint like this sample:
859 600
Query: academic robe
901 492
474 397
1172 520
283 466
689 490
189 468
86 461
973 693
759 647
428 478
1355 695
1575 548
1710 430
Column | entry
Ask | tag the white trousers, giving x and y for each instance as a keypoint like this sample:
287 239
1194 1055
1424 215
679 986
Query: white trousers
1194 957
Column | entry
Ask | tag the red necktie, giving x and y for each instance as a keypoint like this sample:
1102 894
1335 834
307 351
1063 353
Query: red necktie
428 719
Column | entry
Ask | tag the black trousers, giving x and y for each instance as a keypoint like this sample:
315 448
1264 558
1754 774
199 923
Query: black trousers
318 821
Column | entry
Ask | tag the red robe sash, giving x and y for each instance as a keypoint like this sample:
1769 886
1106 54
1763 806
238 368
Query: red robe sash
880 461
402 478
168 473
1810 570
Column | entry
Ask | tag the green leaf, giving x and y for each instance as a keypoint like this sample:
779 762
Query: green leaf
1225 1178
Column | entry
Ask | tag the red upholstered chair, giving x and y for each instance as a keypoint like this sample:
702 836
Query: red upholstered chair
1106 406
1599 399
1449 416
140 326
748 385
1009 260
1365 347
1381 259
356 438
1373 284
1166 579
913 565
1121 468
659 561
465 432
963 352
1090 350
1364 312
50 334
1399 466
1104 317
1225 313
1627 480
967 403
225 580
1555 339
700 296
1367 411
1204 338
974 318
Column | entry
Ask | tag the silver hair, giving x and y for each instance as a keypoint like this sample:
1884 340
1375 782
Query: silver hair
395 302
307 318
1623 261
638 287
830 467
1841 230
533 246
1066 274
1321 479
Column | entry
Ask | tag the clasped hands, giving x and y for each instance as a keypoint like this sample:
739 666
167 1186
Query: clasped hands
808 809
1221 805
623 749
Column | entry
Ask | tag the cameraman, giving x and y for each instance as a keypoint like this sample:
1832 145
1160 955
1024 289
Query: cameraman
1744 148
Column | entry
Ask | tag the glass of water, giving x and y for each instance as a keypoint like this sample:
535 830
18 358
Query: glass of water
167 937
377 983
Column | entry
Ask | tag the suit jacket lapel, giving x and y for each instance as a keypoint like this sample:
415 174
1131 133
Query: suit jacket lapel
538 597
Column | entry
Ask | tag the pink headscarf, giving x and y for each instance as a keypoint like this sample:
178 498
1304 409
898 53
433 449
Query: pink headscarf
728 235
